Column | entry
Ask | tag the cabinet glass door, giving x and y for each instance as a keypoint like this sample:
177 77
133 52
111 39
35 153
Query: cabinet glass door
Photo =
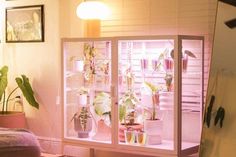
146 93
87 79
192 91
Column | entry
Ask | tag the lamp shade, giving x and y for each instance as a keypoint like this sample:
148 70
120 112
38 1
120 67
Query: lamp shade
92 10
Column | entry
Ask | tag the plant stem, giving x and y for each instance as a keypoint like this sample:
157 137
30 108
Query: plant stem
10 96
3 103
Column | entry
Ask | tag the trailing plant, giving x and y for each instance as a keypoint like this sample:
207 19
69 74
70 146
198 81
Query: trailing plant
22 83
127 106
89 59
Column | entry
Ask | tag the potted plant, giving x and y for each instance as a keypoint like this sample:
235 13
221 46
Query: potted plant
8 118
82 122
127 114
102 109
152 125
82 119
82 96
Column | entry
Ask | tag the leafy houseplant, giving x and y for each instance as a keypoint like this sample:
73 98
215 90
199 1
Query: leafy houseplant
155 98
102 108
153 126
127 114
127 105
22 83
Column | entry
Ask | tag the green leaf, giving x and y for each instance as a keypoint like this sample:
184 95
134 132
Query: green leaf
189 53
122 113
102 103
3 80
24 85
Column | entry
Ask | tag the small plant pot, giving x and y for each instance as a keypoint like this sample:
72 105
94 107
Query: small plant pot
144 64
168 64
79 65
129 137
141 138
77 126
153 129
136 127
82 99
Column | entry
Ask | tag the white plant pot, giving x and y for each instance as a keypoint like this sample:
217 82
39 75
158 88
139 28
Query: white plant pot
153 129
82 99
78 65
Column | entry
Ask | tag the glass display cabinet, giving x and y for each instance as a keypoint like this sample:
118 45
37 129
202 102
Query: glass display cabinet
139 95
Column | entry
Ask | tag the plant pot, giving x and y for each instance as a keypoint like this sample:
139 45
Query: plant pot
81 132
136 127
79 65
12 120
103 132
82 99
153 129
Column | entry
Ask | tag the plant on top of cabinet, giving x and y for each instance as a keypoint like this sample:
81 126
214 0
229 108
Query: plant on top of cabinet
127 113
102 108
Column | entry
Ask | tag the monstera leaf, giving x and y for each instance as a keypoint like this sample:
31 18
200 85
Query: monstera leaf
3 80
24 85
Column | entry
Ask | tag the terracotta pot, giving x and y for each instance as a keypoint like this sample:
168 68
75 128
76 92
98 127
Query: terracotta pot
136 127
13 120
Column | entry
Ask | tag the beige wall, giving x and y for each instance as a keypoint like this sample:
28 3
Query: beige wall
41 61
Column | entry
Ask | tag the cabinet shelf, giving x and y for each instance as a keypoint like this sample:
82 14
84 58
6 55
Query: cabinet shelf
123 90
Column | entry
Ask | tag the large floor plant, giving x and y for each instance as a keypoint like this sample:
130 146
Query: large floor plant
22 83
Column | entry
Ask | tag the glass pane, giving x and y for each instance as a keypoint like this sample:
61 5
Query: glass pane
192 87
145 93
87 102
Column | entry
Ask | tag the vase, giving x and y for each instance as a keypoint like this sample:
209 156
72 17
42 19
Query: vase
153 129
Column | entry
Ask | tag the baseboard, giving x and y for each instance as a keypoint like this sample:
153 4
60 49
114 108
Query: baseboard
50 145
